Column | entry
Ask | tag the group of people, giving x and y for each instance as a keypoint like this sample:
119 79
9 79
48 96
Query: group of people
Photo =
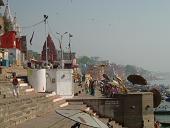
113 86
90 85
107 86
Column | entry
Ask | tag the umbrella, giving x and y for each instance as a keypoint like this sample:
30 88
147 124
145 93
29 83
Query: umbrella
118 78
156 97
114 83
137 79
82 117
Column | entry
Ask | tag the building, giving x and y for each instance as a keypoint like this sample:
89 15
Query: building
66 55
51 51
4 57
67 58
11 39
1 25
24 48
1 19
1 3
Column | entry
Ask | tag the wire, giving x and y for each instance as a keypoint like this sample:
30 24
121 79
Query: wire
31 26
51 31
58 40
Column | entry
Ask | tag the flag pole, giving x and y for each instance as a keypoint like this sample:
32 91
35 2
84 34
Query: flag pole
61 47
45 22
69 45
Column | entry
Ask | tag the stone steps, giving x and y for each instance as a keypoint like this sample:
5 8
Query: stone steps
14 111
6 91
81 106
29 105
54 120
7 71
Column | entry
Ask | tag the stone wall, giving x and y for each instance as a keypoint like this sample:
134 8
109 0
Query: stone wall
134 110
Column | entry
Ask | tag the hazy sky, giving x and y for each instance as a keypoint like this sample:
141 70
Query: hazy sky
133 32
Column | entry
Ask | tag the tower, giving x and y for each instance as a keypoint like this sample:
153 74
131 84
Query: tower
51 50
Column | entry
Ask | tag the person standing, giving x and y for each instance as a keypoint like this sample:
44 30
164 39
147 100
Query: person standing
15 85
87 82
93 85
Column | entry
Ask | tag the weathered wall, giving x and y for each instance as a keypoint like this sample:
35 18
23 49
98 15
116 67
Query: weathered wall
133 110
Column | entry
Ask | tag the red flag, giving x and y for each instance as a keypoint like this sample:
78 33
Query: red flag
31 38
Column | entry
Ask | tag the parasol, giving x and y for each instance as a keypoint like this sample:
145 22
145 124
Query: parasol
137 79
156 97
118 78
114 83
82 117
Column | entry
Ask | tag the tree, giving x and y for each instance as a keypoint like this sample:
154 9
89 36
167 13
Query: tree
84 62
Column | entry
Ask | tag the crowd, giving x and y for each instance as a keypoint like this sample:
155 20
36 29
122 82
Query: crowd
107 86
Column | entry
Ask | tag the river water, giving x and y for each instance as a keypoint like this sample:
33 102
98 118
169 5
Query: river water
164 105
165 82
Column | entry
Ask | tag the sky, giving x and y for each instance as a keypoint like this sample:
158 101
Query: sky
135 32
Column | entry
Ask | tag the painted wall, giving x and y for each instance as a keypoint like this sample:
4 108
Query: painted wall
14 56
51 80
65 86
37 79
129 110
47 80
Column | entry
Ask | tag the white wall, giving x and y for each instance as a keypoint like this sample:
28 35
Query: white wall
47 80
51 79
37 78
6 55
65 86
14 55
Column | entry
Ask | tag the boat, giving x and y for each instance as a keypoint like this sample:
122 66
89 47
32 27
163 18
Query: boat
167 99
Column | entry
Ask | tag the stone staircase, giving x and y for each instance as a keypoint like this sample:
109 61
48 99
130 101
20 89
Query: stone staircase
35 110
66 123
29 105
6 72
49 119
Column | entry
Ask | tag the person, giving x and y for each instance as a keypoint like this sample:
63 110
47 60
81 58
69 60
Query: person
83 78
87 83
15 85
93 85
157 124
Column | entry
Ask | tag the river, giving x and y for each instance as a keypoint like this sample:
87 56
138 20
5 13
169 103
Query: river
164 118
